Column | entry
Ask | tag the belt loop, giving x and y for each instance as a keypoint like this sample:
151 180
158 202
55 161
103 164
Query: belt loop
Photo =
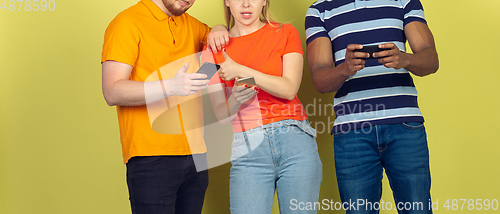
247 142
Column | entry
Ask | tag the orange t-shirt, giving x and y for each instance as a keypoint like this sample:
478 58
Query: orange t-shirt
263 50
157 45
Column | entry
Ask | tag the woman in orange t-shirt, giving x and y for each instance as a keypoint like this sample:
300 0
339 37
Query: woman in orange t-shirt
274 147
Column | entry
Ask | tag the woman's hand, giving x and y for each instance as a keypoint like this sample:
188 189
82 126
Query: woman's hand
230 69
218 38
243 94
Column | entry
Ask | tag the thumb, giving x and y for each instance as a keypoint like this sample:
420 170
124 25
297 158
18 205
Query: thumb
236 81
225 54
184 68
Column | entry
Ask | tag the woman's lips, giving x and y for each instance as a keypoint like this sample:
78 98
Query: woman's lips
246 15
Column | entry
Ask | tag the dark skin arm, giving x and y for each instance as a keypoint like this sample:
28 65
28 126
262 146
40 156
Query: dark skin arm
326 78
423 61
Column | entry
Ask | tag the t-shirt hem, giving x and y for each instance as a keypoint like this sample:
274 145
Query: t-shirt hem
202 151
364 124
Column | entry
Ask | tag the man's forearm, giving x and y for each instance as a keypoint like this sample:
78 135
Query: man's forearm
423 63
327 80
134 93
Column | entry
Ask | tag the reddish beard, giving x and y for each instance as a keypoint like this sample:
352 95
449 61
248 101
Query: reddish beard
172 9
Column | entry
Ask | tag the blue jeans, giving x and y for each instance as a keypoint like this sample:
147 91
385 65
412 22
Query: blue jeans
166 184
281 156
400 149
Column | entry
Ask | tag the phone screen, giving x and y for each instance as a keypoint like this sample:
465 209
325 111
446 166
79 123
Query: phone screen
209 69
371 49
249 81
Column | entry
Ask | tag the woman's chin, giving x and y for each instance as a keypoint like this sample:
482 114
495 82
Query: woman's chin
247 22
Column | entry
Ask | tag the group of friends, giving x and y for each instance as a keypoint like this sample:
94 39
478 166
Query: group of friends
378 123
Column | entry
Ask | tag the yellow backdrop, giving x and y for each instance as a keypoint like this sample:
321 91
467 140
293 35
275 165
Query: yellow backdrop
59 141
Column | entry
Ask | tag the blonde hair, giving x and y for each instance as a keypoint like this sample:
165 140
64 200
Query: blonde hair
265 16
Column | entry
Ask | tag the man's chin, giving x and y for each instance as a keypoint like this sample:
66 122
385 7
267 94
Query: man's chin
177 11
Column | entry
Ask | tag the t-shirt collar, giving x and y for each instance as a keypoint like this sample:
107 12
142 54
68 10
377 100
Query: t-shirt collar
155 10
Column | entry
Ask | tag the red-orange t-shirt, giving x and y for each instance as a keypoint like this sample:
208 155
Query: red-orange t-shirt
263 50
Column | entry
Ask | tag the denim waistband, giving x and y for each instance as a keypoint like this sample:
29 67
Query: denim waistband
304 125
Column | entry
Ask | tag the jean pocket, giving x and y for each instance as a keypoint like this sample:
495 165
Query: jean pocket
143 159
238 146
413 125
238 139
303 127
340 133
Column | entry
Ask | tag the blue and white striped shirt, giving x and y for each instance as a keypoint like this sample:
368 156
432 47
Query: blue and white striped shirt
376 95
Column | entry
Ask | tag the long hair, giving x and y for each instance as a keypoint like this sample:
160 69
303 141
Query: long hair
265 15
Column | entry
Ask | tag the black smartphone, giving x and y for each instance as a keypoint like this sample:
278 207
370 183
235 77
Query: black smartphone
371 49
209 69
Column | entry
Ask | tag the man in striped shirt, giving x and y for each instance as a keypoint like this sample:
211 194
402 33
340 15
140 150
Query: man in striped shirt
378 122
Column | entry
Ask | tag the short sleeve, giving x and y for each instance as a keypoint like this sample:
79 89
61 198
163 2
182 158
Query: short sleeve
294 43
314 23
204 30
200 29
121 42
413 11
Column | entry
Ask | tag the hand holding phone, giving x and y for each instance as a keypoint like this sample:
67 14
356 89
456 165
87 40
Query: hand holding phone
209 69
371 49
249 81
246 89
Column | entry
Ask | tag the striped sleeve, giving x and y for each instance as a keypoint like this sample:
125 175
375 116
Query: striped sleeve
413 11
315 24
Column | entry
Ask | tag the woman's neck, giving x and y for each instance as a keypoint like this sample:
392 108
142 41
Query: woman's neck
242 30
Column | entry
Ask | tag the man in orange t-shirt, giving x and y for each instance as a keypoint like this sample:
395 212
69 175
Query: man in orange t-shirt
148 65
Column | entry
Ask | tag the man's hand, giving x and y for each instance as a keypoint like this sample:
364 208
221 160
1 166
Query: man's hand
183 84
353 60
243 94
229 69
218 38
392 58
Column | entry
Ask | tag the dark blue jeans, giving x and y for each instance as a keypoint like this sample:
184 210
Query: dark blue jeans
166 185
361 155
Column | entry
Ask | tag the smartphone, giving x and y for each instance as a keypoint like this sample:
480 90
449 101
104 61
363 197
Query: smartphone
249 81
209 69
371 49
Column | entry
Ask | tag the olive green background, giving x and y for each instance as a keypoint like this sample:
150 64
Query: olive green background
59 142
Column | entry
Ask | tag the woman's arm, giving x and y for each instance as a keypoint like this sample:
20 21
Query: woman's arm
285 87
226 109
